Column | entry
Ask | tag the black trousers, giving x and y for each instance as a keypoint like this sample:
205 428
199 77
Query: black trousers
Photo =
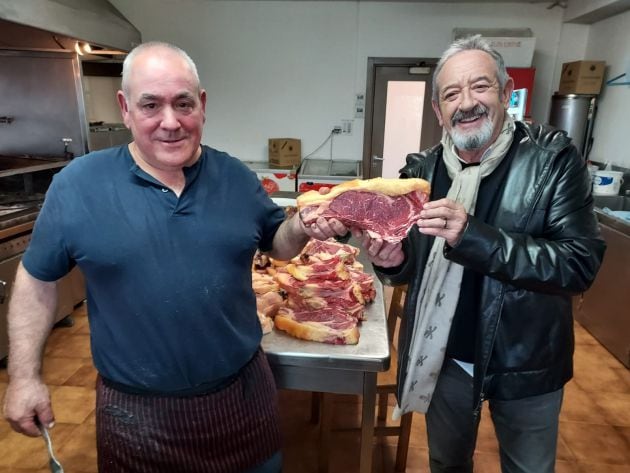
527 429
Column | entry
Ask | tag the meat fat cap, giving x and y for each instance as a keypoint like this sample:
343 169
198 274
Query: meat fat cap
388 186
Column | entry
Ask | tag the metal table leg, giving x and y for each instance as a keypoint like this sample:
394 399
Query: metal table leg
367 422
325 431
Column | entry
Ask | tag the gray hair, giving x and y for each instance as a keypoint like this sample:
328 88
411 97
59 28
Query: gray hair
128 63
471 43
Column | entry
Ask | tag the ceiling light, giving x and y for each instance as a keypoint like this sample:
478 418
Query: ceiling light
87 48
77 48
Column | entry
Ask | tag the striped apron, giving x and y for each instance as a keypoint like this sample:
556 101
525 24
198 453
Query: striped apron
231 430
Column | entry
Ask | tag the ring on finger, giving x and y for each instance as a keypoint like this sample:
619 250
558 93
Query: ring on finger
445 223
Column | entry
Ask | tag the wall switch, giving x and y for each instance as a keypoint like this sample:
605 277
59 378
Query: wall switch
359 105
346 127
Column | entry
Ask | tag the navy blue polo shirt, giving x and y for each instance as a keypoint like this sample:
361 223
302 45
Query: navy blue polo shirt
169 292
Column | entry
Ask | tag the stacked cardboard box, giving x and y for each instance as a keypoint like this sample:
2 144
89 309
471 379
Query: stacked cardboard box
284 152
582 77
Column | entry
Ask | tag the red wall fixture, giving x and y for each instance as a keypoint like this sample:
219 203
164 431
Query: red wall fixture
524 79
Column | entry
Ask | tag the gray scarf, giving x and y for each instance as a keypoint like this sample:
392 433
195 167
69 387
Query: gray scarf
442 279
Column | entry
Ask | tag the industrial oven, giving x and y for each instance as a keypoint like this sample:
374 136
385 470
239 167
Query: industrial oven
23 181
42 127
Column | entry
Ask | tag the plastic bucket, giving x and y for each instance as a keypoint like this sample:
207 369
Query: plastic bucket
607 182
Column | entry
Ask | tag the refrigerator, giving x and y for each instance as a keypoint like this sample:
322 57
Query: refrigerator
272 179
316 173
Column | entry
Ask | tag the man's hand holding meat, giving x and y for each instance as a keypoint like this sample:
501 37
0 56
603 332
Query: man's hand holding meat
293 235
380 252
323 228
443 218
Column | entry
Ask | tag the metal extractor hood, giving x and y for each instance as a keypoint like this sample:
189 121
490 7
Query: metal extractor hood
93 21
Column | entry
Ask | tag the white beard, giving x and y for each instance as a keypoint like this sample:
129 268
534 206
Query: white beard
472 140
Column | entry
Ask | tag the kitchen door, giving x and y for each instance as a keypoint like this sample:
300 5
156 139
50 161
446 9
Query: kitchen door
398 116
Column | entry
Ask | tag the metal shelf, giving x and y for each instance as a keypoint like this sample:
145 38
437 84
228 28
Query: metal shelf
11 165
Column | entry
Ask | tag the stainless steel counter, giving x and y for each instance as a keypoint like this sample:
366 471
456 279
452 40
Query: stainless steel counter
341 369
604 309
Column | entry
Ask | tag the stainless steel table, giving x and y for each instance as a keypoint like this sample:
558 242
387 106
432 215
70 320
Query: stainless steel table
340 369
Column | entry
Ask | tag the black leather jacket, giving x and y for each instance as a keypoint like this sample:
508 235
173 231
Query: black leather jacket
542 247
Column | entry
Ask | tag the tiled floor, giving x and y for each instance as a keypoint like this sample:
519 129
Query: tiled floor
594 430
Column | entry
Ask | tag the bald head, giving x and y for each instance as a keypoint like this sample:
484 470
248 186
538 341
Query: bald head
155 49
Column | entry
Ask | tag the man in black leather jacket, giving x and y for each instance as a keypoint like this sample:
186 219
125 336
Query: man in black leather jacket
523 236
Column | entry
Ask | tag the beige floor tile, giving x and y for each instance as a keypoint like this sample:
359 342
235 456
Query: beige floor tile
76 344
417 460
5 429
72 404
79 455
56 370
577 406
486 438
26 452
85 376
91 419
585 467
487 463
20 451
615 408
596 443
593 375
418 437
564 453
79 321
583 337
24 470
563 466
418 432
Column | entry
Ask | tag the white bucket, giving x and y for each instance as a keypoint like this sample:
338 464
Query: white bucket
607 182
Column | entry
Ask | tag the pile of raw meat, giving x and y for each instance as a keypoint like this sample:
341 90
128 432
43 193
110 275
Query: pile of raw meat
319 295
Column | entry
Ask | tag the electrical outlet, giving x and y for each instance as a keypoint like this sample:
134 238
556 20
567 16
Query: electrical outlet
346 127
337 129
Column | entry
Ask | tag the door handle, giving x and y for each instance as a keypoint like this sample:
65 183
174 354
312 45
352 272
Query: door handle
376 158
3 291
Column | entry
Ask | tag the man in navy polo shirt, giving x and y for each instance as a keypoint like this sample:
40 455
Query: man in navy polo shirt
164 231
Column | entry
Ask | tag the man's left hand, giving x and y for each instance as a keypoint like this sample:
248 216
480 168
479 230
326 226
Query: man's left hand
323 229
380 252
443 218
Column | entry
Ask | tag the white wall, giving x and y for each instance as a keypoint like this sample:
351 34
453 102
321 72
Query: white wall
572 47
609 40
292 69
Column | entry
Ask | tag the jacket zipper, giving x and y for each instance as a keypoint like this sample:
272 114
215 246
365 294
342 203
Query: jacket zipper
482 394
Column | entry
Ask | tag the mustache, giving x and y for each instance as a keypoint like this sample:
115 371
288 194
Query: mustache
460 115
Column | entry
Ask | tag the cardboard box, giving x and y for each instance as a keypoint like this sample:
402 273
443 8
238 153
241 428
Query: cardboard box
582 77
284 152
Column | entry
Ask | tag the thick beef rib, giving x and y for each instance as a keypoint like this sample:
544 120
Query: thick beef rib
385 208
328 325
